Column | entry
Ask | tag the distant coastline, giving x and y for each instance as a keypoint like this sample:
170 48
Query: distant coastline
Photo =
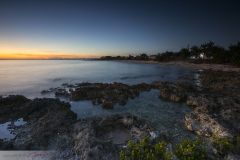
181 63
57 59
206 53
186 64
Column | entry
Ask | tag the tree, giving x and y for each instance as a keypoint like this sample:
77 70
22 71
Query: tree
130 57
195 52
234 53
184 53
142 56
206 48
166 56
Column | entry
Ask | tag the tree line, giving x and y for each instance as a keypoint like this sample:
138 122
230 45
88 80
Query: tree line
207 52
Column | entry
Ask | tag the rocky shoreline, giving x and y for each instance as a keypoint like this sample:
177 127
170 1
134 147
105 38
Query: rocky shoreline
51 125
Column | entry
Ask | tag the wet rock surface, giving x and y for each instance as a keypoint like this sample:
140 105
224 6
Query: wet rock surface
219 82
102 138
176 92
109 94
214 114
216 106
215 103
105 94
12 107
51 125
46 119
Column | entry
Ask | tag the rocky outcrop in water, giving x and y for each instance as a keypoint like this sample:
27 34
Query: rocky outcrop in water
216 106
176 92
105 94
46 119
51 125
215 102
52 120
12 107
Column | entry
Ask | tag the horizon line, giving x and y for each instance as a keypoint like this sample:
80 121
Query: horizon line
49 58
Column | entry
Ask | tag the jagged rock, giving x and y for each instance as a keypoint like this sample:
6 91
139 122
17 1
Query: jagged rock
214 115
205 125
102 138
61 93
13 106
173 92
49 119
6 145
46 119
102 93
107 105
226 83
11 102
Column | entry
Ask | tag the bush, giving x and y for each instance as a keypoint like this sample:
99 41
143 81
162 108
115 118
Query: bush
191 150
223 145
227 145
144 150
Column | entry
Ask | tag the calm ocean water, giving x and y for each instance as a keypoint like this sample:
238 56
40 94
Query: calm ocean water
30 77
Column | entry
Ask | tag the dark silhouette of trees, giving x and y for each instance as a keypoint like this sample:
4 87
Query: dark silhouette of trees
166 56
195 52
184 53
130 57
234 53
207 48
205 53
143 56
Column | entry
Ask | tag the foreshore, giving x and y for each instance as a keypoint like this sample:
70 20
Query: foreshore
214 115
195 66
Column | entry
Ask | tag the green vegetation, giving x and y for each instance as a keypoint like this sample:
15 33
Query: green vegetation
205 53
223 145
226 145
191 150
145 150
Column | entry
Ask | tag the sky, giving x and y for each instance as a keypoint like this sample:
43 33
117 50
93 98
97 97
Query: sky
94 28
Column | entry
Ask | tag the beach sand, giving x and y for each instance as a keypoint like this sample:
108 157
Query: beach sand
203 66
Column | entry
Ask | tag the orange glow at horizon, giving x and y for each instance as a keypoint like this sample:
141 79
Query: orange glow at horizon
40 55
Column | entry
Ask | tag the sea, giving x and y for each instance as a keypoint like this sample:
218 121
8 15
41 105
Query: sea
30 77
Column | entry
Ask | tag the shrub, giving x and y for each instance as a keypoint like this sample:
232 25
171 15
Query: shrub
226 145
223 145
144 150
236 143
191 150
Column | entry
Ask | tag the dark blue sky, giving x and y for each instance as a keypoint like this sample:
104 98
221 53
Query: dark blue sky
104 27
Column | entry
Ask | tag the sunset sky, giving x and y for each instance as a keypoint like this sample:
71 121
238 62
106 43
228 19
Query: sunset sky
32 29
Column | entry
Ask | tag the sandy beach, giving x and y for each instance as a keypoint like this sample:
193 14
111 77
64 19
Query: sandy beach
203 66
